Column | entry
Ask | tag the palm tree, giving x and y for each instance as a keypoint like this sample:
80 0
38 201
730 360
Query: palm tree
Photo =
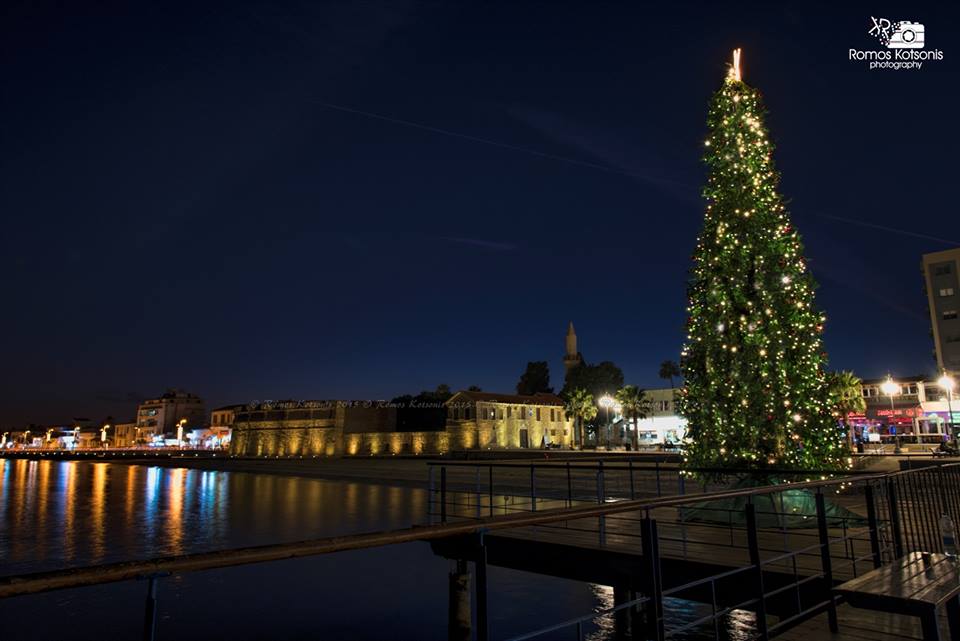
668 370
580 406
846 397
634 404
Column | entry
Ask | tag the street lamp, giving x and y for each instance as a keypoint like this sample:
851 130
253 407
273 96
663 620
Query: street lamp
606 402
890 388
947 383
103 435
180 432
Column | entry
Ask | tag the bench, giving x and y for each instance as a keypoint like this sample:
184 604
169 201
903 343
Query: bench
913 587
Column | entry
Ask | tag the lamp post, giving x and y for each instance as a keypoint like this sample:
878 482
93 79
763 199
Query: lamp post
180 425
103 436
606 402
890 388
947 383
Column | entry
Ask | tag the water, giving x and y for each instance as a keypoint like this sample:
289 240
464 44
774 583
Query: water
70 514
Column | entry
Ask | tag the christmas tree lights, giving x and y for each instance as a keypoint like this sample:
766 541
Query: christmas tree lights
755 392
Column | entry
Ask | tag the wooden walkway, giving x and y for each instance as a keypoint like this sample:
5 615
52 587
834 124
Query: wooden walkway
714 544
861 625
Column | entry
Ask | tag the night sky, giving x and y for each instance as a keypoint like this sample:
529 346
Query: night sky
352 200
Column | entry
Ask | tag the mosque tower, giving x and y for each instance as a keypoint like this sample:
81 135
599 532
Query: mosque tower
572 358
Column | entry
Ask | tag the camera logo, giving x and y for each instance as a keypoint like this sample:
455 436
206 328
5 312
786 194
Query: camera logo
897 35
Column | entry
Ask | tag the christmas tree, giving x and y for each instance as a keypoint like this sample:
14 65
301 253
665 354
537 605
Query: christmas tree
755 393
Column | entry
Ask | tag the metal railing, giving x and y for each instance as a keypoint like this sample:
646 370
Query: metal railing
784 568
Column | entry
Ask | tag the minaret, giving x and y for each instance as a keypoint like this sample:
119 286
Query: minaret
572 357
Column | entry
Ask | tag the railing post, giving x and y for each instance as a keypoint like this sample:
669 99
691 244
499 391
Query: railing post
569 487
431 488
443 494
478 492
490 486
653 580
601 492
630 467
533 488
659 491
601 498
825 561
873 525
753 546
894 512
150 610
682 482
480 565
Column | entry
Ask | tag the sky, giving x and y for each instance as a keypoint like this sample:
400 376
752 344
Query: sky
263 200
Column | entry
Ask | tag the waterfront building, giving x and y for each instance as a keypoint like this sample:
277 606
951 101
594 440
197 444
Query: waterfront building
124 434
468 420
918 412
330 428
485 420
663 426
221 425
941 273
161 418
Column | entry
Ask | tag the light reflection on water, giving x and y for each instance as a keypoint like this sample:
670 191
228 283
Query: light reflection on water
65 513
57 514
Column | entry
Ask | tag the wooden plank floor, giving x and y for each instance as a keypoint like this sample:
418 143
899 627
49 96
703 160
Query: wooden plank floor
862 625
712 544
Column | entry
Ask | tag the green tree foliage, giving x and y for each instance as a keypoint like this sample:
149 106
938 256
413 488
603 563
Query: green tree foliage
635 405
581 407
846 397
669 370
755 391
600 379
426 398
535 380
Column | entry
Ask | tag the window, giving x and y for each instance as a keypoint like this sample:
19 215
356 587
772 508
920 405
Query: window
500 413
509 412
946 291
538 413
942 270
493 413
950 314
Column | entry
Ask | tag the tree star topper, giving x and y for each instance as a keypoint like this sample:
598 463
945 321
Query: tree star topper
734 72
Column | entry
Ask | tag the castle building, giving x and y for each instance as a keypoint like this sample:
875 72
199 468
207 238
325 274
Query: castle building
487 420
571 357
467 421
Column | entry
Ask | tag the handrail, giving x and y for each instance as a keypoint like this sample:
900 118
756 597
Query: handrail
108 573
639 464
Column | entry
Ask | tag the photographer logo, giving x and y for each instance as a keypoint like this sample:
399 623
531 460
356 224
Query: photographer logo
897 35
904 41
